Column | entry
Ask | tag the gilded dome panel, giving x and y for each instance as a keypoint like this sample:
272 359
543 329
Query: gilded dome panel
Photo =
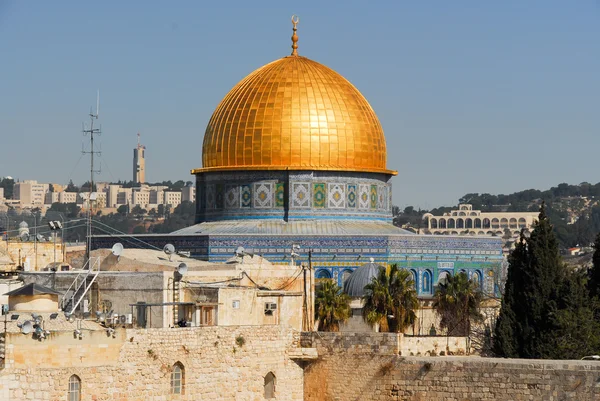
294 113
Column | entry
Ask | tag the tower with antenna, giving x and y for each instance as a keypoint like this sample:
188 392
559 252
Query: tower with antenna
92 132
139 162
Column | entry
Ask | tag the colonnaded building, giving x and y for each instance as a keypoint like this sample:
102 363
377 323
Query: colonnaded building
294 169
466 221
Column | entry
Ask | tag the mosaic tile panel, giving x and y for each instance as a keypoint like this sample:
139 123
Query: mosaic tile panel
232 196
263 195
373 196
336 196
220 196
210 197
301 195
246 196
279 194
363 196
351 202
319 195
382 198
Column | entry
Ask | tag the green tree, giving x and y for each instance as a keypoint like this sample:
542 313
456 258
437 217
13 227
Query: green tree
594 274
123 209
138 211
390 300
545 311
457 301
332 306
71 187
8 185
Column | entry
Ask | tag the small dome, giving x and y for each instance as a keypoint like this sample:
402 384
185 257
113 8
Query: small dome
355 284
23 225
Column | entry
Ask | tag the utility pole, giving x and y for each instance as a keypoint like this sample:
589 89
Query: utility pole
91 132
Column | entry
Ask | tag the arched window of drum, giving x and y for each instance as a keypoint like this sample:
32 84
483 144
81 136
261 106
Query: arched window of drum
177 379
443 277
477 278
269 386
74 388
413 276
323 274
426 287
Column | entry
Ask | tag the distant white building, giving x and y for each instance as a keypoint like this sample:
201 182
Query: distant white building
188 194
30 193
172 198
466 221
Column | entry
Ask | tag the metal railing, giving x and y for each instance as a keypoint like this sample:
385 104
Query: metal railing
80 286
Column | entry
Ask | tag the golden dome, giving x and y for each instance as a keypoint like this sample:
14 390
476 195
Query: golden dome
294 114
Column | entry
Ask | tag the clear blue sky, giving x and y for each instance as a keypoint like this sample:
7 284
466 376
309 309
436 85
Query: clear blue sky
473 96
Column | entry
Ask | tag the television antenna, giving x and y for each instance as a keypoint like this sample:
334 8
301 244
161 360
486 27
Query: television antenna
92 152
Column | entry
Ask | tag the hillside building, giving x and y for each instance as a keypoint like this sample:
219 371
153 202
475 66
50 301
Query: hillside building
466 221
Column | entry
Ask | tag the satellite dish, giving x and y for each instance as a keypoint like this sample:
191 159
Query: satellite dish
71 318
26 327
24 237
240 251
40 237
182 268
169 249
117 250
372 260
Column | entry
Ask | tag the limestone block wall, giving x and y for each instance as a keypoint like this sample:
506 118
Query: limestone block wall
31 254
136 364
347 370
382 343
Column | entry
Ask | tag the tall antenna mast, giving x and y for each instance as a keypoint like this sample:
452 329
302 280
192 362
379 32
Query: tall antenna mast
91 132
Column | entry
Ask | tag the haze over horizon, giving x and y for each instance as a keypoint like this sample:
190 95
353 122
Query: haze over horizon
494 97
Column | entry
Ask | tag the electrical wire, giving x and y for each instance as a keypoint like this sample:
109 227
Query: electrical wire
121 233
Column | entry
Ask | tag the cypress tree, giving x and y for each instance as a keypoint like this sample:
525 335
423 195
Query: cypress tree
535 275
507 331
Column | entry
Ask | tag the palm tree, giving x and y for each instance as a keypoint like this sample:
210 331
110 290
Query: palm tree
457 302
332 306
390 300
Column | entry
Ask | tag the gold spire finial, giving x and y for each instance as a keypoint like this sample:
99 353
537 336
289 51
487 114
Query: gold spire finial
295 21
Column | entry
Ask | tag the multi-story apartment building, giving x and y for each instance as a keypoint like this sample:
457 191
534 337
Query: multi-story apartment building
30 193
188 194
140 196
172 198
124 197
61 197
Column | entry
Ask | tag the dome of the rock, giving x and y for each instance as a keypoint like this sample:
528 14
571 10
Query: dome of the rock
295 114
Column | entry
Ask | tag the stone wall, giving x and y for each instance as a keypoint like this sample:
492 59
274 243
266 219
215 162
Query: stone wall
365 368
33 255
220 363
384 343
